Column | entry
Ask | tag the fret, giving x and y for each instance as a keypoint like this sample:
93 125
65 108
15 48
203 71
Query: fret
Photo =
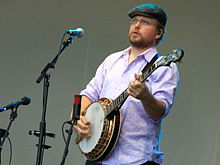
124 93
111 105
145 75
153 67
121 97
116 102
107 110
149 70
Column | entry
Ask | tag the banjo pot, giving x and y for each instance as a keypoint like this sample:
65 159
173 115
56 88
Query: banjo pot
104 131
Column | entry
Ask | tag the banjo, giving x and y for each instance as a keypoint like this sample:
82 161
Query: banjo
104 114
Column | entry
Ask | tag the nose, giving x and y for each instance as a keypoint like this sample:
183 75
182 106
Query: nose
137 24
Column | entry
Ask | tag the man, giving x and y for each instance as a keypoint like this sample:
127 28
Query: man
149 102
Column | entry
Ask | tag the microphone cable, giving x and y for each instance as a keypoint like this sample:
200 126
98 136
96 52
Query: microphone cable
10 151
65 131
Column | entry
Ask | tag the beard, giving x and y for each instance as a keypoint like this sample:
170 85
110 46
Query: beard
138 42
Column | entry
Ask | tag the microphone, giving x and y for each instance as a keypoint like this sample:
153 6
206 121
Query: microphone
79 32
76 107
37 133
24 101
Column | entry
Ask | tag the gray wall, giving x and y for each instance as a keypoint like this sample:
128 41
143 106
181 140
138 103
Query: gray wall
30 34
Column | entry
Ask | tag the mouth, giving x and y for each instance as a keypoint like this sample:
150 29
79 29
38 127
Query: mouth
135 33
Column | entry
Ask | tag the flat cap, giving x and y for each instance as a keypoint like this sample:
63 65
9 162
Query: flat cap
150 11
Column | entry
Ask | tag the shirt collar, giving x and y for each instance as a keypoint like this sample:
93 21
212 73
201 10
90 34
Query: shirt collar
148 54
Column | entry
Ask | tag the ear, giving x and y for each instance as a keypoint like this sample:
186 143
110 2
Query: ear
159 33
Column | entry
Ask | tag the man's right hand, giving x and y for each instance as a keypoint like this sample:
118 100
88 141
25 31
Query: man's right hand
83 127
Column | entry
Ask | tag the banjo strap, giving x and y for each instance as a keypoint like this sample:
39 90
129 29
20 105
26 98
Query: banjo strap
150 63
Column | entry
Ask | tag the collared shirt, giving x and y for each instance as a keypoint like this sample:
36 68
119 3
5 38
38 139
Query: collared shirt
139 138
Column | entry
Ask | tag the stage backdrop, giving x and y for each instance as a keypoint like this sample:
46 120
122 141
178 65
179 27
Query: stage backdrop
30 35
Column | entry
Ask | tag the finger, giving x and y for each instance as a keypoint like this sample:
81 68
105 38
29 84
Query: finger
82 126
83 112
131 92
84 120
136 76
134 85
135 88
82 133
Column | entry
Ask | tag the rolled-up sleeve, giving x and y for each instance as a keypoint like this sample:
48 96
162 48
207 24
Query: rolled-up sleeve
164 84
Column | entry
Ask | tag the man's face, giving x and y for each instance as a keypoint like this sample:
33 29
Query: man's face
143 32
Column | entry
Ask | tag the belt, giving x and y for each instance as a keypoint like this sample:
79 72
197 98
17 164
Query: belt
95 163
150 163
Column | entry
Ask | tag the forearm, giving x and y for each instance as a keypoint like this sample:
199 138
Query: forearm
85 102
153 107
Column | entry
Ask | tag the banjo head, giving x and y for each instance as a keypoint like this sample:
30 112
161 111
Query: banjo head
97 122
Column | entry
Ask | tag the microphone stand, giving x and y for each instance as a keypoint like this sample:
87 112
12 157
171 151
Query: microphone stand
45 74
13 115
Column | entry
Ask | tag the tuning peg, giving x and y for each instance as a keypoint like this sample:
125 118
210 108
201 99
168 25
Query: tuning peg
174 50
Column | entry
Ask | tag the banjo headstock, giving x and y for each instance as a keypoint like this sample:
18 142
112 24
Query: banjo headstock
175 56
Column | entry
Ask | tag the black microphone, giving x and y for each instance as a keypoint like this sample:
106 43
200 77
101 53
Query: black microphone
79 32
76 107
24 101
37 133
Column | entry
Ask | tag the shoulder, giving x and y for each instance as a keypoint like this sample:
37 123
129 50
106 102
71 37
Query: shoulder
112 58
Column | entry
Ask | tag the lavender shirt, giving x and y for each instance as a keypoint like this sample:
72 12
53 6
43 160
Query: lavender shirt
140 135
